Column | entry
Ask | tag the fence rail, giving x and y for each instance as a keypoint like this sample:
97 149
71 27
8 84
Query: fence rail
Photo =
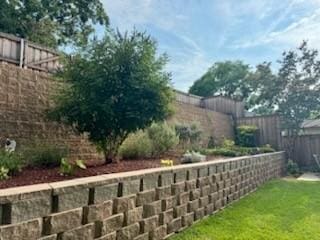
27 54
269 129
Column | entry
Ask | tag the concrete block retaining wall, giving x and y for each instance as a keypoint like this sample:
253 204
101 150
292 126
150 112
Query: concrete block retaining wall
146 204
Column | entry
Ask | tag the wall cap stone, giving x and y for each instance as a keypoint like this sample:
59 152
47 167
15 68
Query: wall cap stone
38 190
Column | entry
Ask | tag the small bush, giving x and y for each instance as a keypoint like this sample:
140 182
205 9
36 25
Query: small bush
247 136
221 151
44 155
230 150
68 169
10 162
137 145
163 138
292 168
189 134
228 143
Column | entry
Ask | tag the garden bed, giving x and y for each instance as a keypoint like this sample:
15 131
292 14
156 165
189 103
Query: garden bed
36 175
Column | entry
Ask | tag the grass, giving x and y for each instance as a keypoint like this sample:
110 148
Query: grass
280 210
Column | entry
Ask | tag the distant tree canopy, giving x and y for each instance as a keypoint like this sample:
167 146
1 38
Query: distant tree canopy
224 78
294 91
113 88
52 22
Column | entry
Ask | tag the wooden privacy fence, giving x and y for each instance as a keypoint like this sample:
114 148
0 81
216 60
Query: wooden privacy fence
217 104
269 129
27 54
224 105
305 147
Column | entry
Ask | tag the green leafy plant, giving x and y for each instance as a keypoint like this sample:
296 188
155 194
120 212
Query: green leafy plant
189 135
136 145
227 143
220 151
247 135
11 161
4 173
293 168
116 86
67 168
163 138
43 154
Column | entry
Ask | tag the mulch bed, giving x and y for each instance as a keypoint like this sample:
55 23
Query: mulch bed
34 175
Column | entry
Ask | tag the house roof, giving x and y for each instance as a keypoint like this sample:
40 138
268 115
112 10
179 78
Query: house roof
315 123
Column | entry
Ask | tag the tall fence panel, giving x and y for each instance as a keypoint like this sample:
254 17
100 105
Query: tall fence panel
305 147
188 98
269 129
27 54
225 105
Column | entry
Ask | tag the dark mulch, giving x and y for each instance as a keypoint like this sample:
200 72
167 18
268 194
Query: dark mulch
34 175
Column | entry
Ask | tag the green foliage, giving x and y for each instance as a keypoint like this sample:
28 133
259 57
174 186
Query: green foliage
189 134
136 145
220 151
292 168
68 168
231 150
247 135
11 162
52 23
224 78
43 154
115 87
4 173
154 141
211 142
227 143
163 138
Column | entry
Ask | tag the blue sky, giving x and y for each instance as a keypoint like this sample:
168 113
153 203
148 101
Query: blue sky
197 33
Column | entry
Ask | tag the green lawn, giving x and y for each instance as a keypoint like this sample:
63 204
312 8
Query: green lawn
282 209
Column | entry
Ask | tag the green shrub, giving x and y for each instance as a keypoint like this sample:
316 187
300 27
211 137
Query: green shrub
43 155
189 134
227 143
4 173
163 138
231 150
10 162
68 169
137 145
247 136
292 168
219 151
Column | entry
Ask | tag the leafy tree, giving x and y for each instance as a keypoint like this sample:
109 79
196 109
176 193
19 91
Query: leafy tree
294 92
223 78
115 87
264 90
52 23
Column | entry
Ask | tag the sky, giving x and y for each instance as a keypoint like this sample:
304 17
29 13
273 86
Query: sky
197 33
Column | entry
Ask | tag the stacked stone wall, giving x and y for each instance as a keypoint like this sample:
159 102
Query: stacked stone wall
25 95
141 205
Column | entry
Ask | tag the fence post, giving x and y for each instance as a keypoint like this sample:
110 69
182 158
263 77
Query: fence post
21 53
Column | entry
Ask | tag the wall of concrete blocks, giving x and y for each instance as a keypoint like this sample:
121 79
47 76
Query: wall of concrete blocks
141 205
